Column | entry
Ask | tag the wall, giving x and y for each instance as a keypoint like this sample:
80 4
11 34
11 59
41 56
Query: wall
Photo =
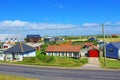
29 54
112 54
1 55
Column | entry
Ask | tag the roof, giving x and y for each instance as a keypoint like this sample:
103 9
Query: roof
92 39
116 44
21 47
60 48
93 47
88 43
33 36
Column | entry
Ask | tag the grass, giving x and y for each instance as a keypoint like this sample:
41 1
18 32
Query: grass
110 39
110 63
59 62
8 77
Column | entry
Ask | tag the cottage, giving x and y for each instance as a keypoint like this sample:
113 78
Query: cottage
63 51
19 51
113 50
33 38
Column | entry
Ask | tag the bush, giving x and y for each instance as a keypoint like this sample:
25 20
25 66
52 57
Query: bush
30 60
44 58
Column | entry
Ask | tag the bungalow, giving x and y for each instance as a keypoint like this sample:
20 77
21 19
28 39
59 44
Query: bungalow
113 50
33 38
63 51
18 52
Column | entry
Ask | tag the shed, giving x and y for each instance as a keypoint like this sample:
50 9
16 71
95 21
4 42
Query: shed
113 50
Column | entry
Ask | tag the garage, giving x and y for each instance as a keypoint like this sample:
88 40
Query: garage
93 53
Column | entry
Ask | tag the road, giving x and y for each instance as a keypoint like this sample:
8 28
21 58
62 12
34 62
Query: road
59 74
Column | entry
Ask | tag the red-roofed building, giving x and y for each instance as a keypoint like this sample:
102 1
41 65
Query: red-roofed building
63 51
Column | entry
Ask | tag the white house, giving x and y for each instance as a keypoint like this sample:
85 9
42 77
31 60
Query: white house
18 52
63 51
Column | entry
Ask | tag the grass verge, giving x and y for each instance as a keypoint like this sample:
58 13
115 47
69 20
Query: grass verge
59 62
110 63
8 77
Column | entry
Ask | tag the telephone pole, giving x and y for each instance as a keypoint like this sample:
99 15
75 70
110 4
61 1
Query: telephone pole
104 45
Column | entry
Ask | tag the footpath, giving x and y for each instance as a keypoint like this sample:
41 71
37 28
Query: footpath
93 64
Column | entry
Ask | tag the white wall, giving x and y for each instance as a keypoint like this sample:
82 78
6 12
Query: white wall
1 55
9 57
119 53
30 54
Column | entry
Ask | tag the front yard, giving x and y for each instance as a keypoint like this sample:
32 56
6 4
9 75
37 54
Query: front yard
56 61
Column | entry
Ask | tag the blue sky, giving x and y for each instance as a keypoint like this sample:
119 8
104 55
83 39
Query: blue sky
35 16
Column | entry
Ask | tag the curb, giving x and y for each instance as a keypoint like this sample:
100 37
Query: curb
67 68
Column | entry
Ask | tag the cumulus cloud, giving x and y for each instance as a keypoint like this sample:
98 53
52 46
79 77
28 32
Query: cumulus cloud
15 23
90 24
28 25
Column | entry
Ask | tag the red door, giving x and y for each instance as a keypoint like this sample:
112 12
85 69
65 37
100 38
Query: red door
93 53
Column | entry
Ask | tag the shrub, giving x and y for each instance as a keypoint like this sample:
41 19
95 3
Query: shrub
30 60
44 58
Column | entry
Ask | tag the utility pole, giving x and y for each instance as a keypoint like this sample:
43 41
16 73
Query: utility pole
104 47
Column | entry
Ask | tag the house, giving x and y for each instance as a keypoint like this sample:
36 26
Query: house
113 50
92 39
8 44
19 51
37 46
53 39
33 38
63 51
48 39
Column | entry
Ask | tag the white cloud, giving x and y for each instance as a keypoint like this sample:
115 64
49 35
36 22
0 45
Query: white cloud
28 25
15 23
90 24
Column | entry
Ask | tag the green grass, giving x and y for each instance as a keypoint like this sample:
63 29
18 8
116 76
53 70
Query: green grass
110 39
110 63
8 77
59 62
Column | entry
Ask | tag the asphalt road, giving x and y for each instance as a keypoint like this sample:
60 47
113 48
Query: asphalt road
59 74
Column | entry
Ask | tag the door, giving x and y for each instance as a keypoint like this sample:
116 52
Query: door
93 53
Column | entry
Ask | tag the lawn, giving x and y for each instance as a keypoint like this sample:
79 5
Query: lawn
8 77
58 61
110 63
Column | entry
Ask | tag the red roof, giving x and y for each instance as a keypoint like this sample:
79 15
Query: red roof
60 48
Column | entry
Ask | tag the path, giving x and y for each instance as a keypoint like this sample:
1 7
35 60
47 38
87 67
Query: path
93 64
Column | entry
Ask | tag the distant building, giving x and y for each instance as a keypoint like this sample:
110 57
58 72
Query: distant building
92 39
33 38
52 39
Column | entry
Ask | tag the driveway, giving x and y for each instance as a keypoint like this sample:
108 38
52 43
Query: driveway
93 64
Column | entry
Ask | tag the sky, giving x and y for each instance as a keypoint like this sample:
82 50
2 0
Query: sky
59 17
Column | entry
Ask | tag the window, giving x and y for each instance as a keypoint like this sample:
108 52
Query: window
49 53
62 54
70 54
111 50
